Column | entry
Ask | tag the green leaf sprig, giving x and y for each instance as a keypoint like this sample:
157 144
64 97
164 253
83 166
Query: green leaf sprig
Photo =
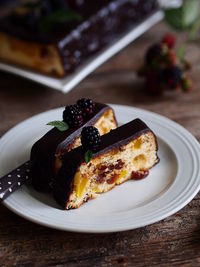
183 17
59 16
60 125
88 156
48 22
181 53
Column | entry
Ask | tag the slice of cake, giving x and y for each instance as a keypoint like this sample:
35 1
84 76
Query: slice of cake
47 152
125 153
55 37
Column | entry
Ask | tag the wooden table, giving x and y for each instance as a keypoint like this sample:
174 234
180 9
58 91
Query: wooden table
174 241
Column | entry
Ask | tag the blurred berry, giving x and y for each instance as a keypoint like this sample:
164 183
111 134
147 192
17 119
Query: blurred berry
162 70
186 84
153 84
170 40
171 76
187 65
171 58
154 53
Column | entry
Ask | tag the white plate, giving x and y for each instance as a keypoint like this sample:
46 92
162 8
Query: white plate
169 187
69 82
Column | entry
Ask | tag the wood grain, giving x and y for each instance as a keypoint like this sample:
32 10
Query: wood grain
174 241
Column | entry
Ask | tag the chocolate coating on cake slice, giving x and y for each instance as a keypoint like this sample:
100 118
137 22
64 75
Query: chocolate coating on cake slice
115 140
55 142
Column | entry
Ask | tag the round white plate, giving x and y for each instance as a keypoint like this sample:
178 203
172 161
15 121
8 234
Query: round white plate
170 186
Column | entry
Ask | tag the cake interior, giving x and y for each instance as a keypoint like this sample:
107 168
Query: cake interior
44 58
112 168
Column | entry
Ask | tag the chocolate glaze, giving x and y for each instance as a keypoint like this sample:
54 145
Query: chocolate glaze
72 160
44 150
102 29
103 22
86 9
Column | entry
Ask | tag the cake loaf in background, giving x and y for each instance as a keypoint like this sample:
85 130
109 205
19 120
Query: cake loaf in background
58 50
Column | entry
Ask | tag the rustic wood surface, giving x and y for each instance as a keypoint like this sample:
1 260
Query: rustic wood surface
174 241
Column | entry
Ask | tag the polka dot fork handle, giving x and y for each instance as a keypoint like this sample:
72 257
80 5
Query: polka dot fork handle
13 180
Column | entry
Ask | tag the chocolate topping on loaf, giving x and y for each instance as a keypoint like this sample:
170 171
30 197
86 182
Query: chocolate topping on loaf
103 22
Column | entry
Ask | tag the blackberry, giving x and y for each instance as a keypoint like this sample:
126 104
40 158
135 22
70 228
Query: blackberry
90 138
171 76
154 53
86 106
73 115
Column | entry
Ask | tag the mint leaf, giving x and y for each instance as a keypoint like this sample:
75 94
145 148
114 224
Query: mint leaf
59 16
64 15
88 156
183 17
190 12
60 125
173 17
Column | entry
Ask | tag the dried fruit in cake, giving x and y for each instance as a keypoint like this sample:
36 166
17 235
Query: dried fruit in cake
125 153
